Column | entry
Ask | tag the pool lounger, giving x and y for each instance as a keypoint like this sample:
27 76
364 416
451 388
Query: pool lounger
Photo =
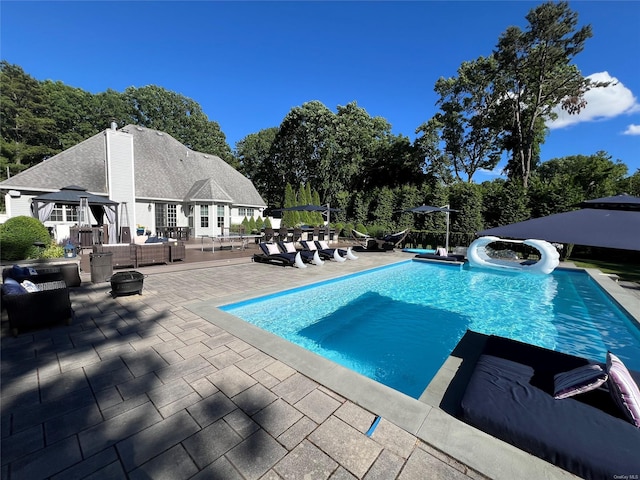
510 395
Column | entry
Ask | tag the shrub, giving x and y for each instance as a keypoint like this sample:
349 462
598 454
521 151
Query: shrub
17 236
361 228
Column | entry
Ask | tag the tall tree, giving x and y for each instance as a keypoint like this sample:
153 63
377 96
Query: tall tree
468 103
535 76
27 130
253 150
179 116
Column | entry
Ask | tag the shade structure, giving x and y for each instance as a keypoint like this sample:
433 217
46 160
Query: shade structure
42 205
307 208
610 222
430 209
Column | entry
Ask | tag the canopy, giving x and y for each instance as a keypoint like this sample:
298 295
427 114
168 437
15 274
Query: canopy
430 209
610 222
42 205
308 208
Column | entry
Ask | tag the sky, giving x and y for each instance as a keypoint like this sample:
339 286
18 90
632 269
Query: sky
249 63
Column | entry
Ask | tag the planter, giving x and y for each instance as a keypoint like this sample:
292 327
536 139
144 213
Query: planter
123 283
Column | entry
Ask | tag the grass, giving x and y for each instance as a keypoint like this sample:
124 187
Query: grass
629 272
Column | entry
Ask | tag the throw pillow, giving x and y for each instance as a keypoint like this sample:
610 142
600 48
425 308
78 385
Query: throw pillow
290 247
623 388
578 380
323 244
311 246
273 249
30 286
442 252
12 287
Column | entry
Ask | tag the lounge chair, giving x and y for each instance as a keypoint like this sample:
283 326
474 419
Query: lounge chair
323 246
329 254
307 256
272 254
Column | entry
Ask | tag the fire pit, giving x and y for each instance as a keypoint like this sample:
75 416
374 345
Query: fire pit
126 282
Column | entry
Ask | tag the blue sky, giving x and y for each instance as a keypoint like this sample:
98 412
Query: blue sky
248 63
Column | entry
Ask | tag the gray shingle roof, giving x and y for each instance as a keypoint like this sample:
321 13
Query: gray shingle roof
164 170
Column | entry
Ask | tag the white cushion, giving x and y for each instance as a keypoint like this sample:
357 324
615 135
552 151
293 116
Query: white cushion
272 248
289 247
323 244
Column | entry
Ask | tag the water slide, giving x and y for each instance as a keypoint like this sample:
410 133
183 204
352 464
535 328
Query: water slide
478 257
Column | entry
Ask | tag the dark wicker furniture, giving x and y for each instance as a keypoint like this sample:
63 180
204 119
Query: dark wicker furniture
49 306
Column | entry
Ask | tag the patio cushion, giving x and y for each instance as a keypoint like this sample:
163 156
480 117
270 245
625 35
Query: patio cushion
574 433
579 380
12 287
623 389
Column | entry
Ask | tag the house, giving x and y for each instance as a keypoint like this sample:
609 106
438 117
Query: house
157 182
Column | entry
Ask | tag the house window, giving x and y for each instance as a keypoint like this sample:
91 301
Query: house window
221 217
161 215
57 214
245 212
204 216
172 215
166 215
71 213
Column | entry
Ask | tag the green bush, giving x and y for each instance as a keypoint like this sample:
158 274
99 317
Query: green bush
346 230
17 236
376 231
360 228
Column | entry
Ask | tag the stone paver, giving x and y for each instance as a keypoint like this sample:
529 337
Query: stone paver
140 387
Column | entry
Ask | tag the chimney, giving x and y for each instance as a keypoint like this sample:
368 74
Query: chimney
114 125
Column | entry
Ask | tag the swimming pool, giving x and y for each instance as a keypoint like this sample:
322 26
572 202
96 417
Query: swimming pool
398 324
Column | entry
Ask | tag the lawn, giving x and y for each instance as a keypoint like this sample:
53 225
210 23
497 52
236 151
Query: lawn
626 271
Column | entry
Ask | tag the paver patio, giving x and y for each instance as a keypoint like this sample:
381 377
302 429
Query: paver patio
141 387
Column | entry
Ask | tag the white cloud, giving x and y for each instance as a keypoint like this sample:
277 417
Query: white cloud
602 103
632 130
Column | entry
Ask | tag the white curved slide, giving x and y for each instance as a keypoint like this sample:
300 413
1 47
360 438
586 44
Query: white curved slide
478 257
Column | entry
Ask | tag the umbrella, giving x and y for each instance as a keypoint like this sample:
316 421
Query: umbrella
609 222
429 209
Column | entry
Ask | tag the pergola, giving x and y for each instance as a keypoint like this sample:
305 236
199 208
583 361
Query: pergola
42 206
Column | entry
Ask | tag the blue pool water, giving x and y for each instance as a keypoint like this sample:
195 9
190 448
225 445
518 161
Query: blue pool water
418 250
398 324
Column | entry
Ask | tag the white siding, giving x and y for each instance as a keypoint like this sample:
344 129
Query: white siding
120 173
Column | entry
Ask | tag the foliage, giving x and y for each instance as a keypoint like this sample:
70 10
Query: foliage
468 103
467 199
17 236
259 223
40 119
534 76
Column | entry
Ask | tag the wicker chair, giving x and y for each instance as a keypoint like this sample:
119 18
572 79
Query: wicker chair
49 306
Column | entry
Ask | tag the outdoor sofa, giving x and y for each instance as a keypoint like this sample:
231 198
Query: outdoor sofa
137 255
510 395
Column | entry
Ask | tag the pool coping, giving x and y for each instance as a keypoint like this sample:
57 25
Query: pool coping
423 418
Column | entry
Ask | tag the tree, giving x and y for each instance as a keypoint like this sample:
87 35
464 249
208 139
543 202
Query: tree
179 116
561 183
26 128
535 76
468 103
252 151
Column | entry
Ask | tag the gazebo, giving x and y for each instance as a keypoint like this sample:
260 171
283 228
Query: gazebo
42 206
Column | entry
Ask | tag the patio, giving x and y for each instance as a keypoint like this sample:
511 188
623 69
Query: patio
143 387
